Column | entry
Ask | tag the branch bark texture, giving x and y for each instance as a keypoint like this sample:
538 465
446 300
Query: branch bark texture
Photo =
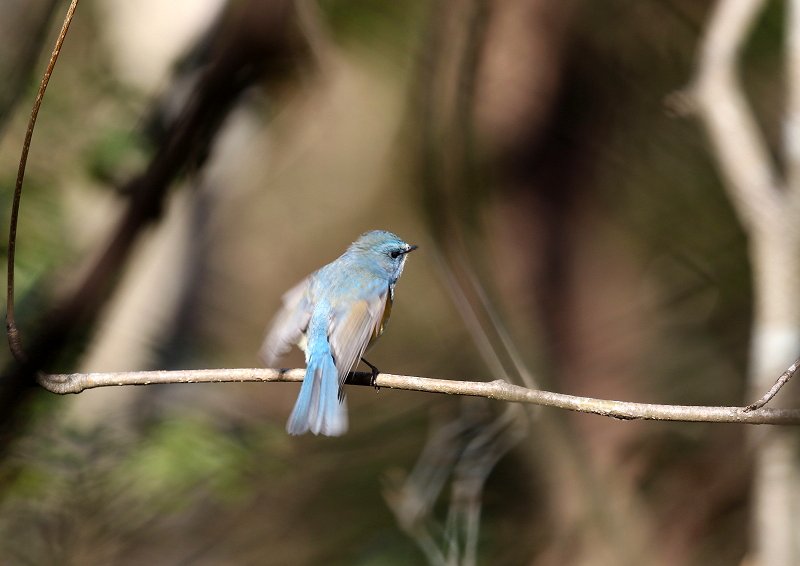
499 390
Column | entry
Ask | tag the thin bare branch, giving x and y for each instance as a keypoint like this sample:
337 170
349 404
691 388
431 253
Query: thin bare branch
11 325
498 390
781 381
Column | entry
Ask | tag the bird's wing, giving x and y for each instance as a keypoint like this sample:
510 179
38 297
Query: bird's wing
289 324
353 325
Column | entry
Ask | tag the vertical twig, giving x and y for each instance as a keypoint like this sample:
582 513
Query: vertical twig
14 341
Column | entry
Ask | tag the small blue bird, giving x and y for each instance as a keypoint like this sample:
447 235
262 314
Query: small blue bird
334 315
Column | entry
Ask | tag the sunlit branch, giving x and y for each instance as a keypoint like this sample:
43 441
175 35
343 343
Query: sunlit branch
498 390
781 381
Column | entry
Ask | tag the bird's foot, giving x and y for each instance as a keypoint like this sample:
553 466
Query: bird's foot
373 381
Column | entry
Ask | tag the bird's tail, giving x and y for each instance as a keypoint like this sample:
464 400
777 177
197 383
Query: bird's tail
318 407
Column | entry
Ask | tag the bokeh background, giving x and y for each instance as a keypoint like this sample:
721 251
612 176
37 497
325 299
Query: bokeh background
572 231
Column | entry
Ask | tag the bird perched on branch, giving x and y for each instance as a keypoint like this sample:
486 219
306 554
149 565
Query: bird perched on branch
334 315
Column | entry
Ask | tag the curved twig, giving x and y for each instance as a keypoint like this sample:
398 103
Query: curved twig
11 325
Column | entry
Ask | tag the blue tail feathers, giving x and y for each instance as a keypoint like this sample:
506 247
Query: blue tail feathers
318 408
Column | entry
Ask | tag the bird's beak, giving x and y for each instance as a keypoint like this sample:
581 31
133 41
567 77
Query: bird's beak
411 248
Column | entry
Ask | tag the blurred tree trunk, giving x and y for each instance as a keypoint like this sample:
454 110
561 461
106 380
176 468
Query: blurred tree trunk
775 344
492 106
527 118
767 202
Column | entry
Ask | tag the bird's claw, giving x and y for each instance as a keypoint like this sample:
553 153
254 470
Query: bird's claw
373 380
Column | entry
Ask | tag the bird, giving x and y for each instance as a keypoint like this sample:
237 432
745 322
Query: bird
334 315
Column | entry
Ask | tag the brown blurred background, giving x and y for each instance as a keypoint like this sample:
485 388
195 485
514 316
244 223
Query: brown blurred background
524 145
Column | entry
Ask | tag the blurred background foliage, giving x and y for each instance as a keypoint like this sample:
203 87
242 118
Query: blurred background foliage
541 146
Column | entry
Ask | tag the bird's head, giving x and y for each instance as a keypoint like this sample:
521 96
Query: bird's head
386 250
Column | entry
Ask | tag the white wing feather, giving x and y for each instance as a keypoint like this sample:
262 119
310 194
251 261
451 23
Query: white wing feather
289 324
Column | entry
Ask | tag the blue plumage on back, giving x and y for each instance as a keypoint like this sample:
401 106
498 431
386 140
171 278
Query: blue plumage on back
334 315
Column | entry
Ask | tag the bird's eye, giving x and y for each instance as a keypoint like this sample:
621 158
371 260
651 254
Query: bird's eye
394 254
